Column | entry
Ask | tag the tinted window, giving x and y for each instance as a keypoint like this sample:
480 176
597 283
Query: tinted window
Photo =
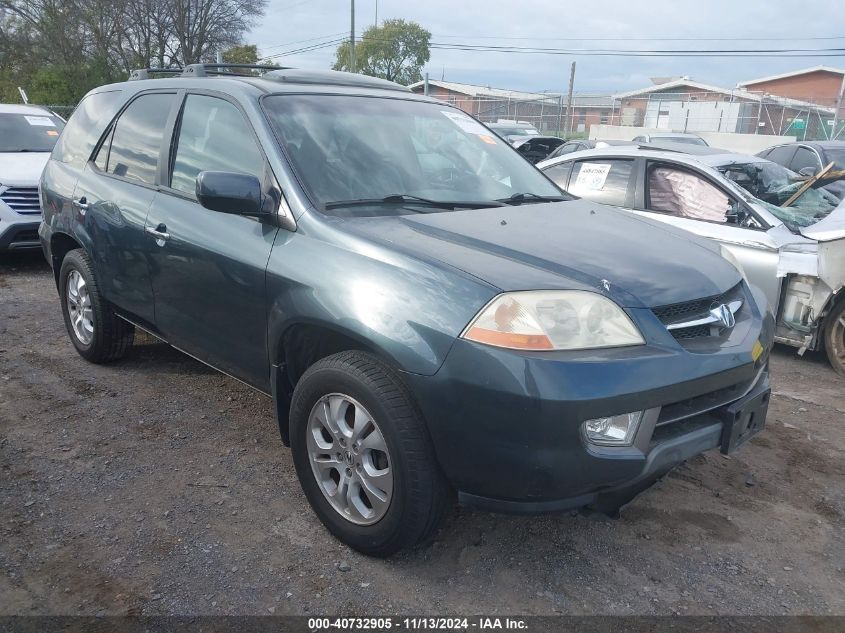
566 148
804 158
137 138
29 132
604 181
102 157
213 136
781 155
86 125
559 173
685 194
836 156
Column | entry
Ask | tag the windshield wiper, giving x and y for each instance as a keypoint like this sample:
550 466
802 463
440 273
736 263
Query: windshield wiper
403 198
520 198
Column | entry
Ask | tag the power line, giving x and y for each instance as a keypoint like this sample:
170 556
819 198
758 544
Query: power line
598 52
640 39
310 39
307 49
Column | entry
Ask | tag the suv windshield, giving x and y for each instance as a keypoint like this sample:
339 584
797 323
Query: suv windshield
387 151
35 132
773 184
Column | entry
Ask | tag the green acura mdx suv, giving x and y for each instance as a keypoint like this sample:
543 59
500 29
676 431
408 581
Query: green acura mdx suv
432 316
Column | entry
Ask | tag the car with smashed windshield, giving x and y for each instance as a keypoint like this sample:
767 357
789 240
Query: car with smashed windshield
432 316
788 240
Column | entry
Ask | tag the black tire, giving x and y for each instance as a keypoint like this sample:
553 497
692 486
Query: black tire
112 335
420 492
834 337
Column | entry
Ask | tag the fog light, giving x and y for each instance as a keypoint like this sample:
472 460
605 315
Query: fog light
617 430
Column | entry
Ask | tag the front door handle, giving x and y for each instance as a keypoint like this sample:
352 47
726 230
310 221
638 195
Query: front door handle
159 233
81 204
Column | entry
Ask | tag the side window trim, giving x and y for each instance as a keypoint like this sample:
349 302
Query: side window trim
108 136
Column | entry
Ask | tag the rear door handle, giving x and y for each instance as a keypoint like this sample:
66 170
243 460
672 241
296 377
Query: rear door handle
81 204
159 233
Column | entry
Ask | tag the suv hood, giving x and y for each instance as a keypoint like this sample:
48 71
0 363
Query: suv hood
22 168
563 245
831 227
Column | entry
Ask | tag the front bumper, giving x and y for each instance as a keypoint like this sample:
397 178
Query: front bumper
506 426
19 235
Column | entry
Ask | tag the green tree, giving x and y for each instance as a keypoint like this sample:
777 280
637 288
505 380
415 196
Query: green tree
246 54
397 50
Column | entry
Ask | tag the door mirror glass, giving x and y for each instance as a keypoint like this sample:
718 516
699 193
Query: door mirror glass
809 172
229 192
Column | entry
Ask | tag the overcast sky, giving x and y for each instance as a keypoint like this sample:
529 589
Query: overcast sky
499 22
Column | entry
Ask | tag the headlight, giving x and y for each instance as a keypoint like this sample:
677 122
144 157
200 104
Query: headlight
552 320
728 254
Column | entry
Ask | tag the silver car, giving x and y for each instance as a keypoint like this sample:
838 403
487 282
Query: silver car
27 136
795 254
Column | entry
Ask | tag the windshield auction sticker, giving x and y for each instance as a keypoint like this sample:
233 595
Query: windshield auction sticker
468 125
592 175
39 120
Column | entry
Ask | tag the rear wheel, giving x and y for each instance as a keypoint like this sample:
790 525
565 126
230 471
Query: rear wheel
363 455
834 337
96 332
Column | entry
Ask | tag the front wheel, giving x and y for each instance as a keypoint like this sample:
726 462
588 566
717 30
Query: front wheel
834 337
363 455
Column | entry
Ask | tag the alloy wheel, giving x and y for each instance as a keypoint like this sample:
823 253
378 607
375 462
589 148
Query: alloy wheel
350 459
79 308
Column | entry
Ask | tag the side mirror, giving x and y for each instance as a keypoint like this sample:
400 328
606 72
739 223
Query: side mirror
229 192
809 172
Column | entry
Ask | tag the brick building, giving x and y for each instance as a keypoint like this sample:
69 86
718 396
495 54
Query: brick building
675 104
822 85
684 105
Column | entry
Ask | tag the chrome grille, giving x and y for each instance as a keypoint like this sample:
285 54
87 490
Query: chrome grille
24 200
675 315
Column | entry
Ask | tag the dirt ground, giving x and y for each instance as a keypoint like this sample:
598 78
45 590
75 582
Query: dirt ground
157 486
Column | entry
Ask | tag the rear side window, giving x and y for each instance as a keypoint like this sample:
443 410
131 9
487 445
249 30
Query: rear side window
781 155
686 195
604 181
87 123
213 136
137 137
804 158
559 174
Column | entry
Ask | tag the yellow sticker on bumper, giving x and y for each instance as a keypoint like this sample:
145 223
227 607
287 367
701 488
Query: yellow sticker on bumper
757 350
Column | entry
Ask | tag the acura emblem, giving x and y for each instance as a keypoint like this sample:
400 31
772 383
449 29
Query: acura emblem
723 314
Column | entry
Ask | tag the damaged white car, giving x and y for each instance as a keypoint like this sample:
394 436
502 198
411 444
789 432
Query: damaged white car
795 253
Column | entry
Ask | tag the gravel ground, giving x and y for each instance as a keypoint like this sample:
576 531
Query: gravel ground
155 485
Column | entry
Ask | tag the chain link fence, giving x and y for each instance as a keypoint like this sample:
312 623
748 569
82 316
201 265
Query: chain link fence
742 112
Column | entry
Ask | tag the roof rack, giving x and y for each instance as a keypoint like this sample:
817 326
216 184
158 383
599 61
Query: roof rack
203 70
200 70
144 73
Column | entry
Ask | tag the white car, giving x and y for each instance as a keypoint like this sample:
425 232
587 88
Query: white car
27 136
796 255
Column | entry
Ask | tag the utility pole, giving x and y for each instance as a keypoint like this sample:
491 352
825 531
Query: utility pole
219 57
352 40
569 100
376 12
839 104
